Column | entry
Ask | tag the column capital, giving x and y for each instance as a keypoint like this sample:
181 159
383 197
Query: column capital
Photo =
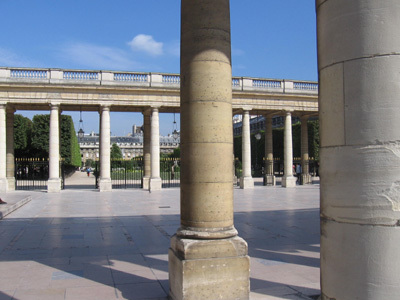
104 107
247 108
54 106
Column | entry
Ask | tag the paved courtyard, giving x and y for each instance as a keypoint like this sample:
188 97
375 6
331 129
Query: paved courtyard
82 244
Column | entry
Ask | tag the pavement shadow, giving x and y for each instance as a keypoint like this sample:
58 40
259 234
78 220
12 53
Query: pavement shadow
129 253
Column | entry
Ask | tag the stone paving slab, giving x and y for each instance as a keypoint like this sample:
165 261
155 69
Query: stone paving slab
14 201
82 244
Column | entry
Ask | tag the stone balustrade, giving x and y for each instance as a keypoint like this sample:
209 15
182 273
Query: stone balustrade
59 76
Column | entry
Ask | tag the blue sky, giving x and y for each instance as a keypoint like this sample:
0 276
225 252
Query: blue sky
270 39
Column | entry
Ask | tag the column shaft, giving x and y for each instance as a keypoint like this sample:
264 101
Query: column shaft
146 149
359 111
288 179
195 271
54 182
105 152
10 150
155 180
305 172
3 152
246 181
269 153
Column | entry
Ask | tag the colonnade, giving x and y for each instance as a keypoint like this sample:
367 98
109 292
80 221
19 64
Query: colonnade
151 149
288 180
151 145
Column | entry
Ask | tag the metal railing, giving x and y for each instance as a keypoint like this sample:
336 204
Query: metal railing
170 172
127 173
31 174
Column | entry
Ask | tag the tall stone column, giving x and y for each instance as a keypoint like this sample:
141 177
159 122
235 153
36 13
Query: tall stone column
207 260
269 153
3 152
54 182
105 183
359 109
10 149
288 179
246 181
146 149
305 170
155 179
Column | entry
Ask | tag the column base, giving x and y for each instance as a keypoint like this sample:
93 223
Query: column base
246 182
54 185
289 181
146 183
305 179
10 183
269 180
105 185
209 269
3 185
155 184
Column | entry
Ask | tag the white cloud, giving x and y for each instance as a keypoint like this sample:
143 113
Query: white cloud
146 43
10 59
98 57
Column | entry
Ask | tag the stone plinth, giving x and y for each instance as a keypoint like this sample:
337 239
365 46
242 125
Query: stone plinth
155 184
289 181
269 180
54 185
246 182
105 185
203 269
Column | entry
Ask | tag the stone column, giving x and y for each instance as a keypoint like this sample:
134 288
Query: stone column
269 154
105 183
288 179
54 182
246 181
10 149
155 179
207 260
146 150
305 170
359 62
3 152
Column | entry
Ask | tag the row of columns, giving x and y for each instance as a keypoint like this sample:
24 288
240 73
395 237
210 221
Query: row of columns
152 179
288 180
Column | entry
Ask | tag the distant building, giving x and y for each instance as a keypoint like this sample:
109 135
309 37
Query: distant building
131 145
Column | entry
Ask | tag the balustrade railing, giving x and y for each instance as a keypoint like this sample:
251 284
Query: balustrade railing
80 75
34 74
151 79
310 86
266 83
172 79
133 77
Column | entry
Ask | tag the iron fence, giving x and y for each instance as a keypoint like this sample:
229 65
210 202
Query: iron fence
170 172
127 173
31 174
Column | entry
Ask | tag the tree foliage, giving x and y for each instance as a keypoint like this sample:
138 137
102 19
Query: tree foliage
32 138
22 135
116 152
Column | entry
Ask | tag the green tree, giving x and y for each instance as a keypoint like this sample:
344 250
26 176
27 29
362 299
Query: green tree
40 135
69 147
22 136
116 152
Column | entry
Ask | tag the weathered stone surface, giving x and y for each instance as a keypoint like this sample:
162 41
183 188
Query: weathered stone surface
209 269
